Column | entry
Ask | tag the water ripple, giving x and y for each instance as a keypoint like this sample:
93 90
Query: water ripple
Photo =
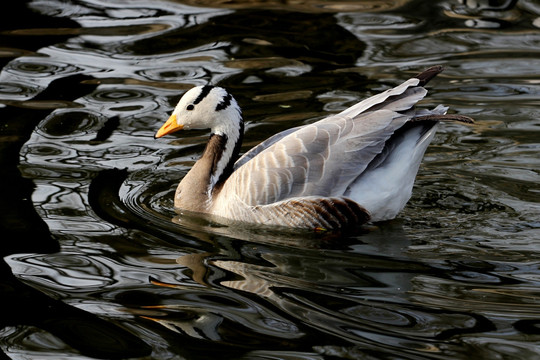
455 276
16 91
64 272
39 67
70 123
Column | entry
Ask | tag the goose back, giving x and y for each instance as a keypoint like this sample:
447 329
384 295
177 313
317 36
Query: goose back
324 158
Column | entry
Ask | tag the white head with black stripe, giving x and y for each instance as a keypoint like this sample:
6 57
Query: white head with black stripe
205 107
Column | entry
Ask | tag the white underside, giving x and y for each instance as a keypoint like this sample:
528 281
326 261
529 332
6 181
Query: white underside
384 191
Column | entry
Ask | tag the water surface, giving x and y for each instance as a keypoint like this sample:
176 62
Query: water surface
98 265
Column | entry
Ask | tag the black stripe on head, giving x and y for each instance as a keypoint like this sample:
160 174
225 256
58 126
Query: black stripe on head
204 92
224 103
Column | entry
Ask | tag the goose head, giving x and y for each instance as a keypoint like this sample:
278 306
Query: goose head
205 107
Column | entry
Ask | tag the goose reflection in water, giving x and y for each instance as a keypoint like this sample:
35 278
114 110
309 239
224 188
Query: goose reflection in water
355 295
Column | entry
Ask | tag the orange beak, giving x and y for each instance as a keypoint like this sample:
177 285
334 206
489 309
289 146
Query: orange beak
169 127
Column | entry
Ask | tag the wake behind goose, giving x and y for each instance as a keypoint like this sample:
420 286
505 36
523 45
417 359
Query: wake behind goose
341 171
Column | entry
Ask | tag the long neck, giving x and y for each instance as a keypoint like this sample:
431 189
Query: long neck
210 171
223 149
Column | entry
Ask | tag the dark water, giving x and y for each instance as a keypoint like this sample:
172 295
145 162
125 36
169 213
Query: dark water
95 268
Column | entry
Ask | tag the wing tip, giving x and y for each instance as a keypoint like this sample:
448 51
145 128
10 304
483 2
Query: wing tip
444 117
428 74
424 77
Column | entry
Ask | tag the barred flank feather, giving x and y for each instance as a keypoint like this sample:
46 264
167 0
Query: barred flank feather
313 212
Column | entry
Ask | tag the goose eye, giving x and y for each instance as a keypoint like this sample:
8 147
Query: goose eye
190 107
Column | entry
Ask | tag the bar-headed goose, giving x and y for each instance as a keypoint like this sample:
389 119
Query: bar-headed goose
342 171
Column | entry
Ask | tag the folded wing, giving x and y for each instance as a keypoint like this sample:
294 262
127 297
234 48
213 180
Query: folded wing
324 158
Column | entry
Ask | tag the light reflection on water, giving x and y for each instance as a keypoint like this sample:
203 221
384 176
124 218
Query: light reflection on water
455 276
